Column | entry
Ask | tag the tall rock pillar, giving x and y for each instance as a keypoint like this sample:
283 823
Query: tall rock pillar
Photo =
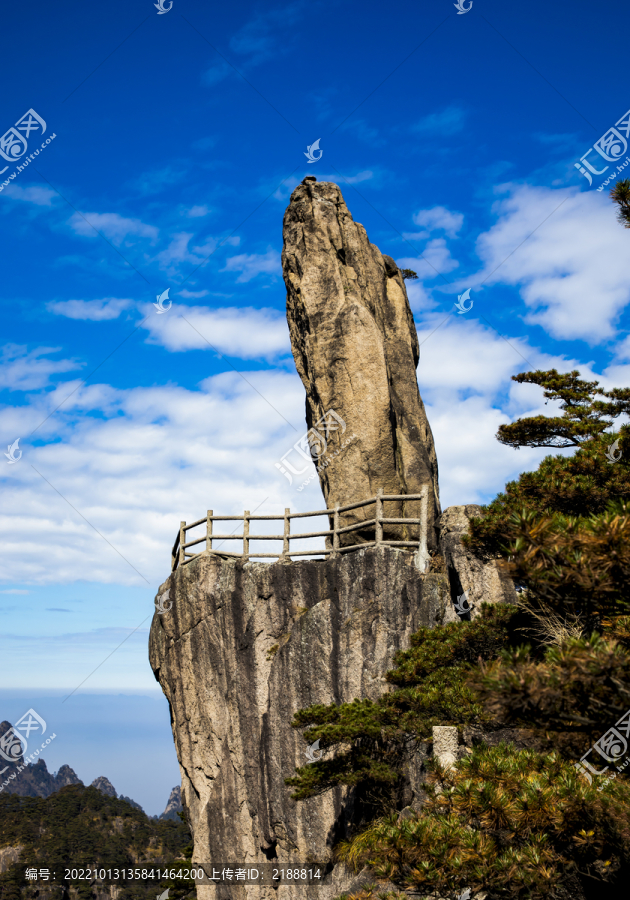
355 346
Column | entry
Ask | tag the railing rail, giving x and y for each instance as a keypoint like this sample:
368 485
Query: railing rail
180 556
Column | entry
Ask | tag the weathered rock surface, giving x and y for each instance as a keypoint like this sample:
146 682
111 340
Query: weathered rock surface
355 346
174 805
105 786
242 649
479 580
9 856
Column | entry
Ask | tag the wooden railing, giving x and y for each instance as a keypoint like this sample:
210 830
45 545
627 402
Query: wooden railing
180 555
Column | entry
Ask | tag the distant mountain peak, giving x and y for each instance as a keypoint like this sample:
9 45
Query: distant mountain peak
174 804
105 786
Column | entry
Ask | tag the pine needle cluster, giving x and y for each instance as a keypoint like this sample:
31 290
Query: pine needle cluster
514 823
578 565
569 698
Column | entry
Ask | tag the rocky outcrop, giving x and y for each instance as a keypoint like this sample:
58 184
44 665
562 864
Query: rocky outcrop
480 580
174 805
105 786
244 646
9 856
355 346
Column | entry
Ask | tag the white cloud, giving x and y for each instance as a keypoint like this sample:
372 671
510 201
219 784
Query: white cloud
436 261
152 457
178 250
365 175
567 254
24 370
193 295
419 298
246 332
37 194
196 212
114 227
464 376
252 264
449 121
216 74
440 218
94 310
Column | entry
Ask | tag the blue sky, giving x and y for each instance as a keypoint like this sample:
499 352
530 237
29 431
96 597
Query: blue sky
177 141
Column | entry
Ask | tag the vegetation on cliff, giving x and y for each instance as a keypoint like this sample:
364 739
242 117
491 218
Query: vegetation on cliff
513 822
576 486
81 828
372 739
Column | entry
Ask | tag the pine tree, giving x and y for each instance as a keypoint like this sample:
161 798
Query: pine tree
621 196
576 486
583 416
513 823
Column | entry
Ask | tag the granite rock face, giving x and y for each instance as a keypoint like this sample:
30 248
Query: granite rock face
479 580
355 347
174 805
105 786
245 646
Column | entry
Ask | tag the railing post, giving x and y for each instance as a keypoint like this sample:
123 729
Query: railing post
422 557
378 515
209 530
182 541
246 533
286 549
336 531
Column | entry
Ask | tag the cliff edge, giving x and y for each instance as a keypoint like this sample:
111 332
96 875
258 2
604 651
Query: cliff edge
244 646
